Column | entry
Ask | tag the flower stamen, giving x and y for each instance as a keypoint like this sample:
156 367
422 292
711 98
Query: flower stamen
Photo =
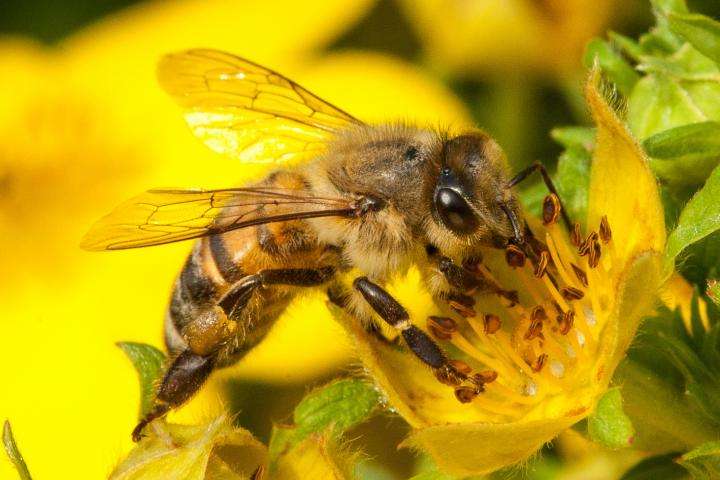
551 209
514 256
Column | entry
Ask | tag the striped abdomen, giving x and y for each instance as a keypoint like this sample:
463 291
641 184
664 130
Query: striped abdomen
203 314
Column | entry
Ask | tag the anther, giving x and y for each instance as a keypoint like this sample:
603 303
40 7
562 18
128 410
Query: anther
462 299
461 367
486 376
538 313
605 232
441 327
510 295
587 245
565 321
466 394
491 323
448 376
593 252
580 274
571 293
514 256
536 324
576 235
539 362
542 264
462 309
551 209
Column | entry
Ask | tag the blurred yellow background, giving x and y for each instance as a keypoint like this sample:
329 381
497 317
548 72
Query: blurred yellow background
83 125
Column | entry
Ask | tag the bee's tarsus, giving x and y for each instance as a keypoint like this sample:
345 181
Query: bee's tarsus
158 411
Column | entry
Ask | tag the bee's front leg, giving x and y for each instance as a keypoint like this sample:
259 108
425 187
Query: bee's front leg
466 281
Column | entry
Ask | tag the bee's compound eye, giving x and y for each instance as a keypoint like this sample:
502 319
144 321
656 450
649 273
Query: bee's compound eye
454 211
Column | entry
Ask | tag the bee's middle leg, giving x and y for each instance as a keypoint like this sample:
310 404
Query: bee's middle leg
211 331
396 316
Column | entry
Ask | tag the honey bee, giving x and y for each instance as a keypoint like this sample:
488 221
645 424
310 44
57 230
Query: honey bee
372 199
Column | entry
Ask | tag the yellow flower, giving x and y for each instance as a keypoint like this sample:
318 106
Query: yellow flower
86 126
467 36
539 365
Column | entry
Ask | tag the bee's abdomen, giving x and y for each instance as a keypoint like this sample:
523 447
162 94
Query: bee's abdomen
197 290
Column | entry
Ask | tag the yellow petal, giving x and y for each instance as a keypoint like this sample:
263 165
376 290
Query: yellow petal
477 448
679 293
637 294
315 458
193 453
621 183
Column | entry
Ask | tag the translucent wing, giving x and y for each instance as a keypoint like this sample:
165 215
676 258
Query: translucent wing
164 216
247 111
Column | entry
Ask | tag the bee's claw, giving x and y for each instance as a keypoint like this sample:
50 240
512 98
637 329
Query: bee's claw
157 412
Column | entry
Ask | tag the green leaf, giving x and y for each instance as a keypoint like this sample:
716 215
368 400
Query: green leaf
660 102
701 260
667 6
701 139
572 177
148 362
612 64
701 31
691 151
573 182
608 425
337 406
627 45
699 218
661 467
703 462
569 137
13 452
713 291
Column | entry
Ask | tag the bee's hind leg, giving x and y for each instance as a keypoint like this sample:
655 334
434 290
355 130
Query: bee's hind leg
183 378
209 334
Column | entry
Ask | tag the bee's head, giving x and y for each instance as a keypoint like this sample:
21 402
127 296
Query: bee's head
471 197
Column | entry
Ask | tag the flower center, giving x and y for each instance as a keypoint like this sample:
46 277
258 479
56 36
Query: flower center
518 349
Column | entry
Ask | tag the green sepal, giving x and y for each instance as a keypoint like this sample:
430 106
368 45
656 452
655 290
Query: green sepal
608 425
660 467
13 452
148 362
